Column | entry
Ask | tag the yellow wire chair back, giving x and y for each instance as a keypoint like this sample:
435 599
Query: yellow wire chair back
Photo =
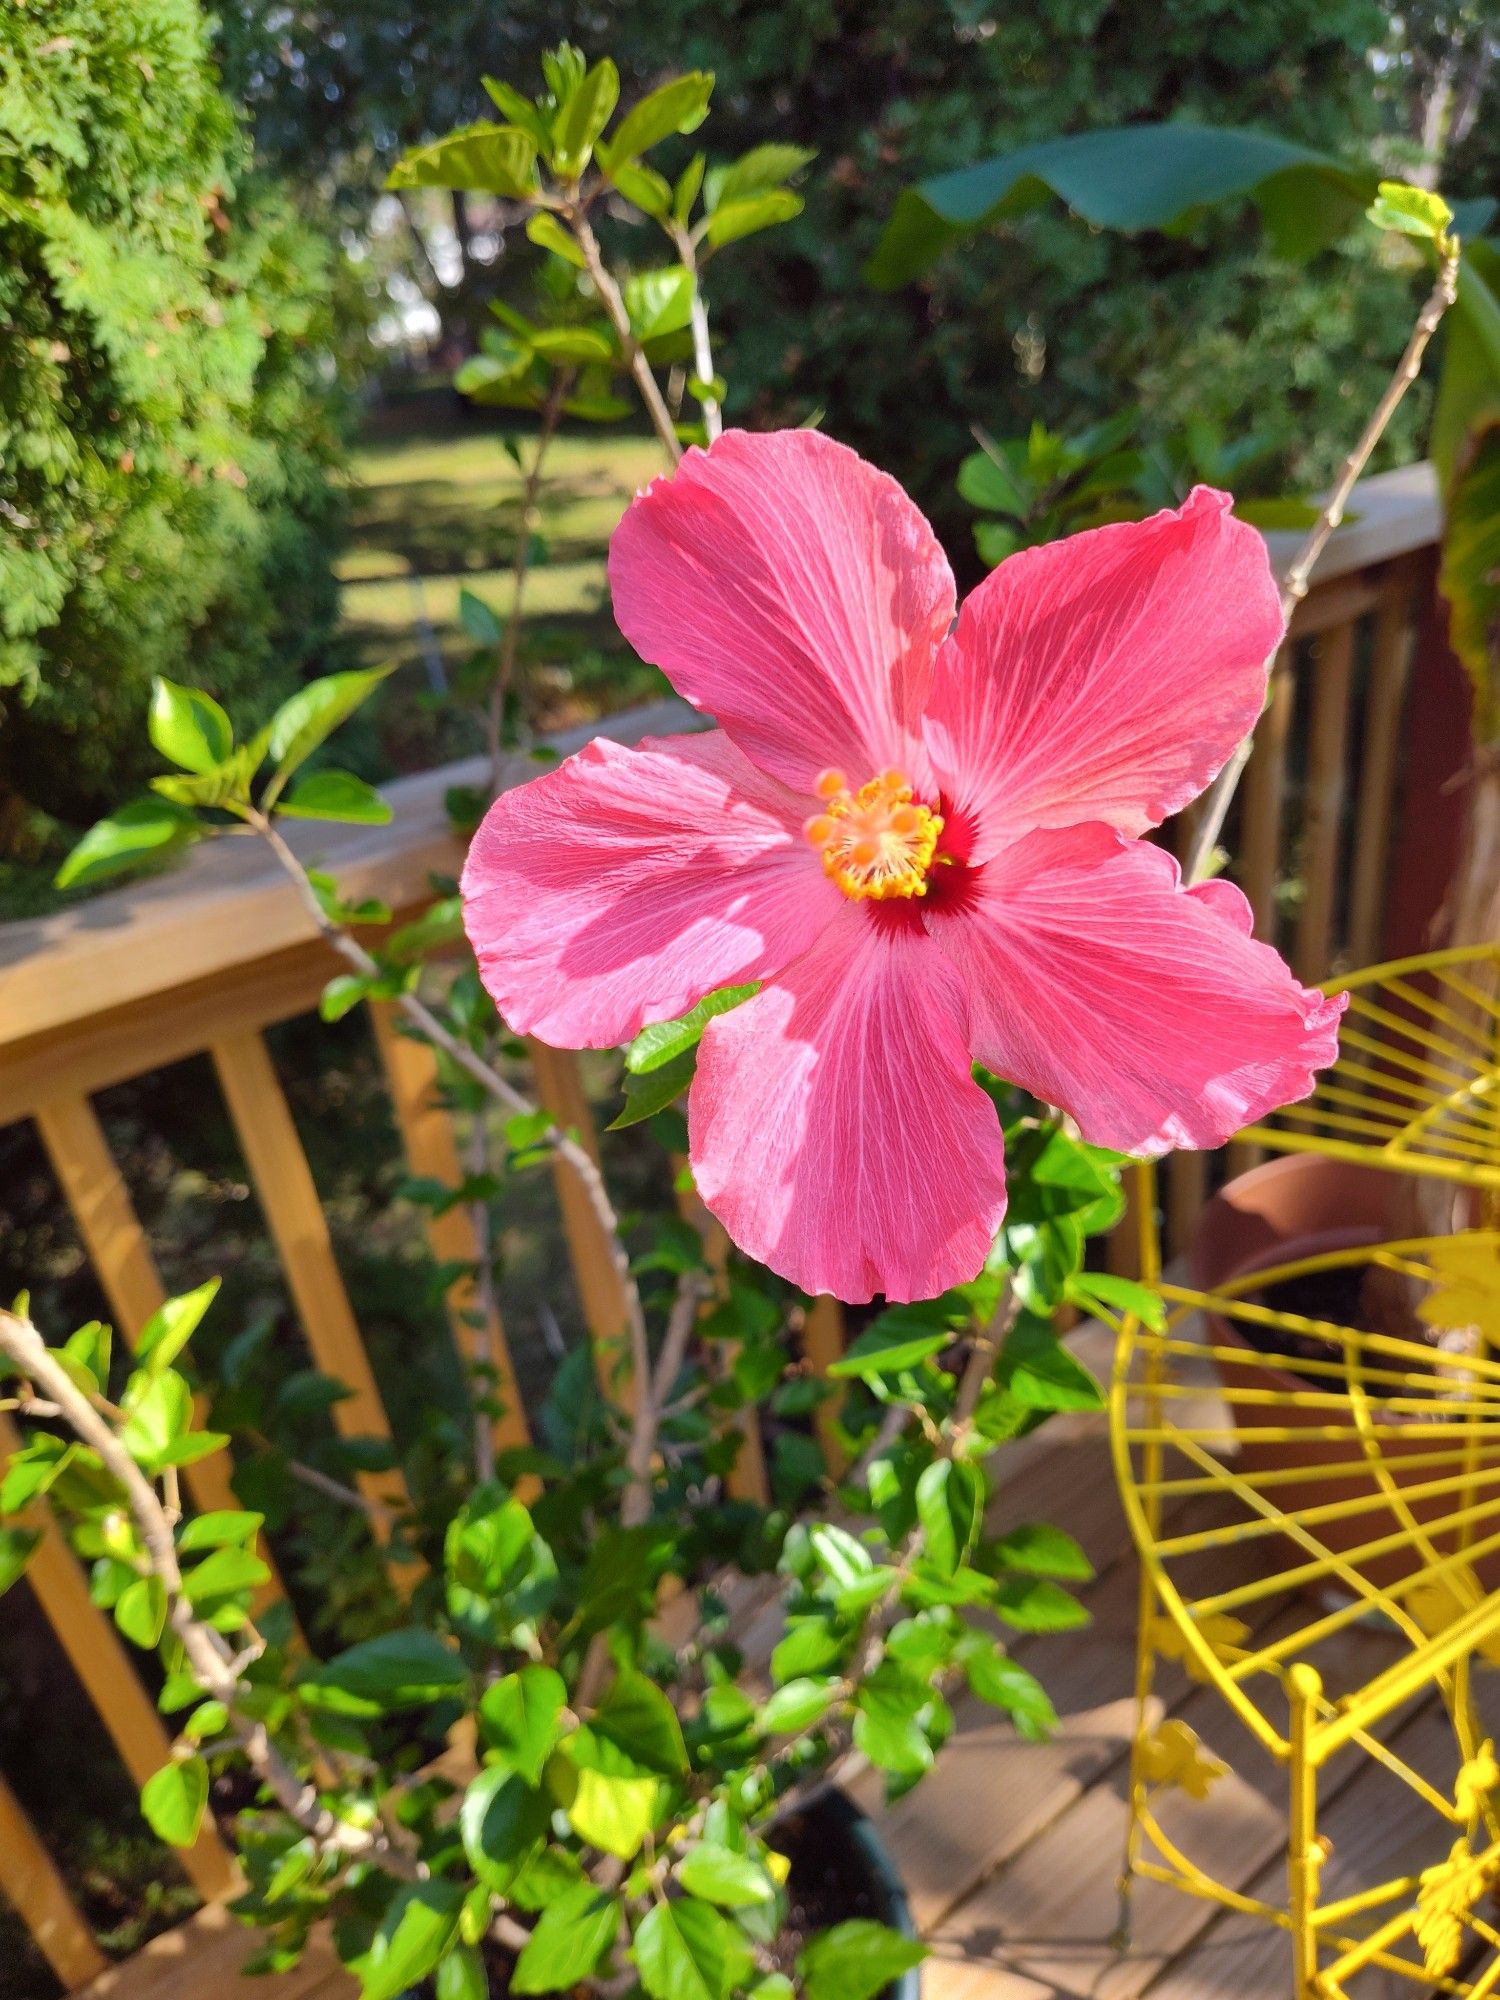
1316 1503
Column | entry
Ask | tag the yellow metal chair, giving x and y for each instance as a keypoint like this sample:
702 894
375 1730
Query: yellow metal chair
1355 1476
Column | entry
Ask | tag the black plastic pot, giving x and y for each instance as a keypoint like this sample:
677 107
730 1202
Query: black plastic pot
846 1831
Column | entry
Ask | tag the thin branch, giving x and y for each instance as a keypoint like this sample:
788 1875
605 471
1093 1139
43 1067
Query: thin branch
613 302
1294 586
484 1339
987 1344
703 354
576 1157
214 1665
510 644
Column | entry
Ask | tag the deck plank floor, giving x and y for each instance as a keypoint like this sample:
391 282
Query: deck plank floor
1011 1850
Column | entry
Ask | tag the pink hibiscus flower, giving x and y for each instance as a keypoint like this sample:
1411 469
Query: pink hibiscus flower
922 841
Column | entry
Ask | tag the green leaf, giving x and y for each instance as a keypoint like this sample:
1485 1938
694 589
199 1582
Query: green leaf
686 1951
1411 211
144 830
986 481
518 1719
418 1928
655 1090
502 1822
188 727
547 233
479 621
223 1527
1038 1549
408 1668
88 1349
798 1703
661 1043
462 1976
482 158
141 1611
856 1960
645 187
843 1559
886 1729
1129 177
575 343
17 1546
761 170
572 1935
209 1719
159 1411
1035 1604
336 795
811 1646
898 1339
172 1325
719 1875
614 1812
311 715
173 1800
659 302
677 106
634 1731
1094 1289
732 220
1001 1681
584 115
950 1507
519 110
225 1573
995 542
1039 1372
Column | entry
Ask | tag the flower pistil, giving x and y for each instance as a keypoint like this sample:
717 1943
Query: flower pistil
876 843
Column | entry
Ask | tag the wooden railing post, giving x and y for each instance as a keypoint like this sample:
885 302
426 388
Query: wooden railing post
427 1135
32 1885
1333 673
284 1182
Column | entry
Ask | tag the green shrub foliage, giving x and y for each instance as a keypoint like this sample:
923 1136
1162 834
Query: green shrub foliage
166 432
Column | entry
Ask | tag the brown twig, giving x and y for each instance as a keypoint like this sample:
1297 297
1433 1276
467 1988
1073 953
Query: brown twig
520 569
613 302
575 1156
1217 799
703 354
987 1344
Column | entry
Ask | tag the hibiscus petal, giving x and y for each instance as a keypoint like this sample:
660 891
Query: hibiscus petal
626 884
795 592
1107 677
1144 1009
834 1125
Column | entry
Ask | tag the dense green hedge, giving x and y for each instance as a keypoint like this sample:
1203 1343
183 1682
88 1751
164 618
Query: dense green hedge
166 428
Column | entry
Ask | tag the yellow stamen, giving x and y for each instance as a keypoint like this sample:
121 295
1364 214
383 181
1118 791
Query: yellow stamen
876 843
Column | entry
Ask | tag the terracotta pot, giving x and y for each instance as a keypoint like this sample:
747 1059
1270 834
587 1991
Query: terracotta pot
1303 1206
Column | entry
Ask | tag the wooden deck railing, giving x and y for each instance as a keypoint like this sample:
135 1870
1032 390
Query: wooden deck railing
209 956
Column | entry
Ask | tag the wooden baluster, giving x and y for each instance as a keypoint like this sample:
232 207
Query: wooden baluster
1375 811
1333 675
427 1134
100 1660
1264 792
31 1884
284 1182
823 1342
747 1477
122 1262
559 1089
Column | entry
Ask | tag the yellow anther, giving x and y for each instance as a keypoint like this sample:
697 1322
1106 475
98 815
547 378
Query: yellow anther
876 842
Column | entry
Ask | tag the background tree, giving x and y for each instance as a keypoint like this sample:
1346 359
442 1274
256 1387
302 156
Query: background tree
167 428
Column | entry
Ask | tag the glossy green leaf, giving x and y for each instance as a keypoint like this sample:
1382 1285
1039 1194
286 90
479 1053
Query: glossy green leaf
17 1546
518 1719
679 105
224 1527
898 1339
950 1507
1036 1604
572 1936
173 1325
173 1801
654 1091
684 1950
1411 211
760 171
158 1412
462 1976
664 1040
856 1960
1038 1549
336 795
732 220
614 1812
659 302
408 1668
145 830
418 1928
502 1822
634 1730
1005 1684
188 727
1037 1370
798 1703
1096 1289
719 1874
583 116
482 158
547 233
141 1611
310 716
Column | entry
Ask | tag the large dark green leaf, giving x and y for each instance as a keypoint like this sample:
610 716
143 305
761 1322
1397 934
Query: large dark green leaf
399 1670
856 1960
419 1926
685 1950
574 1932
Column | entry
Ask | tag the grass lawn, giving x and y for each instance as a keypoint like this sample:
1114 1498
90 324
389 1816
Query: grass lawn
433 512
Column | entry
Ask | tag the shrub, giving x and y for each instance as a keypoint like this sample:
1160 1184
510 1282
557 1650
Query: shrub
166 428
